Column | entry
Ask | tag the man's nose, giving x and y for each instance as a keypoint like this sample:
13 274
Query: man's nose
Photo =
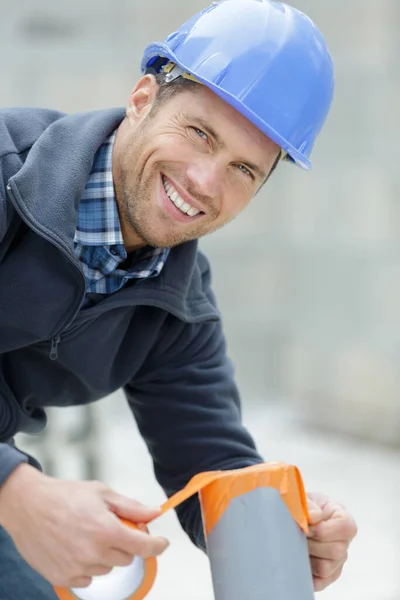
206 176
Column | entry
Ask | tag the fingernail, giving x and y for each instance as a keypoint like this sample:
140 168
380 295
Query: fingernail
167 543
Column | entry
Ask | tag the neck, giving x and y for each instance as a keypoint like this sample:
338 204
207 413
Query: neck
132 241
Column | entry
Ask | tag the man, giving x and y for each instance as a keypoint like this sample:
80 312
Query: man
103 286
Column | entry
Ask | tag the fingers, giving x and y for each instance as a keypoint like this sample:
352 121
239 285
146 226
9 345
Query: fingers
137 543
117 558
130 509
329 539
98 570
340 527
324 569
321 583
317 499
327 560
112 558
329 508
79 582
314 512
330 551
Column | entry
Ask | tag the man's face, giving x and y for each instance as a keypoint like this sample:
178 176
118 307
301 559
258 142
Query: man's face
185 169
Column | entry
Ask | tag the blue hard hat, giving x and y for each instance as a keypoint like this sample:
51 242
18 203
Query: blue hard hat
266 59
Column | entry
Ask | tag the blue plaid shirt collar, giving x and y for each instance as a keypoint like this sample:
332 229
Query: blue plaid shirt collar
98 238
98 220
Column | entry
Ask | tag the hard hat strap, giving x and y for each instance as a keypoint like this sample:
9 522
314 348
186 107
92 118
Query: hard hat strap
173 71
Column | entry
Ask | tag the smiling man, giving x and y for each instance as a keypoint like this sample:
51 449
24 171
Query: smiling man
103 286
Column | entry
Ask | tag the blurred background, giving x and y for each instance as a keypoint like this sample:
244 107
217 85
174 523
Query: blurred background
314 330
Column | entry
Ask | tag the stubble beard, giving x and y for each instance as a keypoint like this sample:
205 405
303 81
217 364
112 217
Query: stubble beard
135 197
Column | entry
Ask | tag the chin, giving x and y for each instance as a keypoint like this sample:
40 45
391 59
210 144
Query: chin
157 231
167 241
153 238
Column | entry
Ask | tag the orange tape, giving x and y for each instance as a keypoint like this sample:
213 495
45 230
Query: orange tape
217 489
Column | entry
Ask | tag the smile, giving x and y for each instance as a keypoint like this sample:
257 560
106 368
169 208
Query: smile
175 198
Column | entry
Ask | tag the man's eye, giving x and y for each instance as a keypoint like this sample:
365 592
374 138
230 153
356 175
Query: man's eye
245 170
200 133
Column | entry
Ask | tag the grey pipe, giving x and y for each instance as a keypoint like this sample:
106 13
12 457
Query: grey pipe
258 552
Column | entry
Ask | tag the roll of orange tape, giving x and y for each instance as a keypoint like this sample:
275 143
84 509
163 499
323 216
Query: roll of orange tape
122 583
218 489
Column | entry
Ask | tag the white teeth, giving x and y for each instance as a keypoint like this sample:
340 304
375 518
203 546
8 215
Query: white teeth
185 207
177 200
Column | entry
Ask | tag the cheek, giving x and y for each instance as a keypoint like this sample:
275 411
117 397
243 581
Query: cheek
167 155
238 195
174 146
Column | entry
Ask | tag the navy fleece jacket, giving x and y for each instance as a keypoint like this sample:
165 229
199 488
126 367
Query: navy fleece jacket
159 339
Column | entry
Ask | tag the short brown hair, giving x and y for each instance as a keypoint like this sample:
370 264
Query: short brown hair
168 89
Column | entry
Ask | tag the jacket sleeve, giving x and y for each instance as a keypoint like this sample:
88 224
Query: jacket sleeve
10 458
187 408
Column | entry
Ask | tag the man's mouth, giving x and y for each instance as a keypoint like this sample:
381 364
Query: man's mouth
176 199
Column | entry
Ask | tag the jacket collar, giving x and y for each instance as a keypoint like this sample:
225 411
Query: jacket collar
51 181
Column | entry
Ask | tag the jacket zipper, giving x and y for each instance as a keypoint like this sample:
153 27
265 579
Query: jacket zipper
55 341
54 347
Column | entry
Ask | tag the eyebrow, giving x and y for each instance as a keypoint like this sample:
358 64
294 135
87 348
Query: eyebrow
219 141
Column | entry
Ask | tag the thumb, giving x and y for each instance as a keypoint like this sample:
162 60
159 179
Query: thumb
314 512
130 509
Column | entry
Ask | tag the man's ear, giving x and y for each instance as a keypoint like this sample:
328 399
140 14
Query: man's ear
142 98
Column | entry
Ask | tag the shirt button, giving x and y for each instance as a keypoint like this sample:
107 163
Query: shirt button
113 250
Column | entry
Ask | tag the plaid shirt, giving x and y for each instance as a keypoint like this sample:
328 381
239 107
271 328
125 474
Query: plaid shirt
98 238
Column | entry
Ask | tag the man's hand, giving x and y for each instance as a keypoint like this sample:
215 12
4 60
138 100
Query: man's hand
331 531
69 531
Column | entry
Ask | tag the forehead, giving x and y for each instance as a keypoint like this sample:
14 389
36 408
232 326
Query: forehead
200 102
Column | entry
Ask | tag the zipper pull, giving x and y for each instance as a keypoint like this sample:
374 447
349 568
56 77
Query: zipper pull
54 346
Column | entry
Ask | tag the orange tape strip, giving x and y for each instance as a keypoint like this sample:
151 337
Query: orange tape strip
218 488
